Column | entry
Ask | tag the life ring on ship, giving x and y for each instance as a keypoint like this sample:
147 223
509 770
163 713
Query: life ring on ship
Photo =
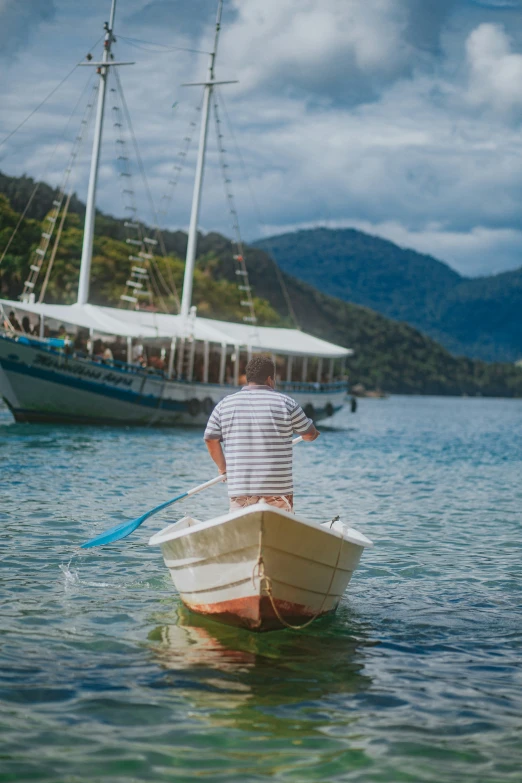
194 407
329 409
208 405
309 410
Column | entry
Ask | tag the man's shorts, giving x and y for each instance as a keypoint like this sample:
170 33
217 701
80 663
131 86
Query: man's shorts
286 502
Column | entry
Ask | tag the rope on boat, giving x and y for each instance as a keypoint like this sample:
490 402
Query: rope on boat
260 219
50 220
244 287
147 253
144 267
49 162
15 130
265 584
55 246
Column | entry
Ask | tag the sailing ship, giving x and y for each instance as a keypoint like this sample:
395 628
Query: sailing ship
44 377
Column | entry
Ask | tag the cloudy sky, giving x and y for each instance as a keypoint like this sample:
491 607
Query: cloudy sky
399 117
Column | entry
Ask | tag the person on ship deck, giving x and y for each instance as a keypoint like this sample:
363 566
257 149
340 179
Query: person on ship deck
256 426
13 322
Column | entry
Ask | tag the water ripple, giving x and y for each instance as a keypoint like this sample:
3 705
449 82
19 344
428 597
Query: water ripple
104 676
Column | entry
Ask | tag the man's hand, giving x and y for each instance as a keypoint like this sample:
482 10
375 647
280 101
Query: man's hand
312 434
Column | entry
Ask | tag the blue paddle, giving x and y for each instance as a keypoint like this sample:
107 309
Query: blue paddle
126 528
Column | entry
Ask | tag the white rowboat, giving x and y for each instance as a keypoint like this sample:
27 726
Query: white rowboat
260 567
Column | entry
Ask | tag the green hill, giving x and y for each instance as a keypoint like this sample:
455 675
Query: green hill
110 269
479 317
389 355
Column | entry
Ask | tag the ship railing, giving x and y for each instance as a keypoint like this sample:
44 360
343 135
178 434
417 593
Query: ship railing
64 348
313 388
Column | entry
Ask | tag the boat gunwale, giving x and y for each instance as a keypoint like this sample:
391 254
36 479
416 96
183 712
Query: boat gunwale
162 537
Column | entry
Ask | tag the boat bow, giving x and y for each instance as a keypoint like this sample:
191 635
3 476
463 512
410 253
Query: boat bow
260 567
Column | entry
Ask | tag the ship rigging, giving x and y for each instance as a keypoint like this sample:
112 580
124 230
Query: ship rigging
158 367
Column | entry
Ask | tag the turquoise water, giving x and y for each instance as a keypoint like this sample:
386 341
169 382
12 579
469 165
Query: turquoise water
105 677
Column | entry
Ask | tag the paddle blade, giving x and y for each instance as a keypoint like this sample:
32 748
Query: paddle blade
114 534
126 528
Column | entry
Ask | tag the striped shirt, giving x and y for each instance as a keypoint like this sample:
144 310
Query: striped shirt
256 426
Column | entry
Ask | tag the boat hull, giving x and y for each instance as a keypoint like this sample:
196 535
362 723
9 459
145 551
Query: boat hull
257 613
40 385
260 568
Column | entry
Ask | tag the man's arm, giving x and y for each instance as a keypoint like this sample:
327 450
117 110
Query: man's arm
302 425
213 436
216 452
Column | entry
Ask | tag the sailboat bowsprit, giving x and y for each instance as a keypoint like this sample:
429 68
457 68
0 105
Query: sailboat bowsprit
44 379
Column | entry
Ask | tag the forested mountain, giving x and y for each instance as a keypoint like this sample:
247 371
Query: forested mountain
479 317
20 191
388 355
110 269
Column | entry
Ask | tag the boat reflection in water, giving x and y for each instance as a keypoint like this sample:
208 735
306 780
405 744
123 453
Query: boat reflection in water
276 684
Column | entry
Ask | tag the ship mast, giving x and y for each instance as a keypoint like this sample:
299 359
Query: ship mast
209 85
90 210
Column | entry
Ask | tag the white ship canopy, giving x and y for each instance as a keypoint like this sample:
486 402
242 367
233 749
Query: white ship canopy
85 316
146 325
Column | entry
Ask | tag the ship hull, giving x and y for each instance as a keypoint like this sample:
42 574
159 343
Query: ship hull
40 385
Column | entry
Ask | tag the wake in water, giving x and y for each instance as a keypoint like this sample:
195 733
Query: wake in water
70 578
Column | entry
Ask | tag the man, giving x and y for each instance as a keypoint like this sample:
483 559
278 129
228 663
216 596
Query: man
256 426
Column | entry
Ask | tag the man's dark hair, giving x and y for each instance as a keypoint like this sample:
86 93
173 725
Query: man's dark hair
259 368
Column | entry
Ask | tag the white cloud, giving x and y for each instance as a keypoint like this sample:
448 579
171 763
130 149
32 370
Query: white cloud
495 71
419 154
316 46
